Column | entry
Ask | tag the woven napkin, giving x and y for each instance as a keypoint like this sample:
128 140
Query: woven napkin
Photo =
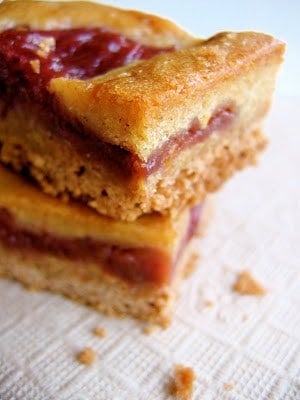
240 347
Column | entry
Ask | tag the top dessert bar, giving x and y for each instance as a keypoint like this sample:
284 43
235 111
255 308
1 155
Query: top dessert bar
124 111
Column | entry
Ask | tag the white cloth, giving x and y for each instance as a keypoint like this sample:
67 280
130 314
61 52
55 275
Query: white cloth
252 343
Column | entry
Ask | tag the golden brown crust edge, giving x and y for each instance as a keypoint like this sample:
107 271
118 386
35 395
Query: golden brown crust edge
145 28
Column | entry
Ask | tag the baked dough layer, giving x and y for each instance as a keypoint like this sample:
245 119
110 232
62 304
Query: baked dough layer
91 286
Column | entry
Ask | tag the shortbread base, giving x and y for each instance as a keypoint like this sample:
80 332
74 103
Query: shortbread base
90 285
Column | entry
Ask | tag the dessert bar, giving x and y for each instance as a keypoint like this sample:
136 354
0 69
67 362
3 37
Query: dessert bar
126 112
130 268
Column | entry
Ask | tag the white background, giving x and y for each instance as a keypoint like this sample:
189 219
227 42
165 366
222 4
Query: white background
205 18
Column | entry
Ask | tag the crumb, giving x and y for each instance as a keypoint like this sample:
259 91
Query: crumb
191 265
45 46
182 386
101 332
87 356
149 329
228 387
35 65
165 322
246 284
208 303
245 317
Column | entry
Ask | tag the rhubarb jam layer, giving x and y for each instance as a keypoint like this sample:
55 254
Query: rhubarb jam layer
134 265
29 60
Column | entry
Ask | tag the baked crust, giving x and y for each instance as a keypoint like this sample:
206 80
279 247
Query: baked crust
140 107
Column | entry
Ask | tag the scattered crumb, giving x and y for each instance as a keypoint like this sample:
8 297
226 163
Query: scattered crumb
245 317
101 332
87 356
208 303
182 386
191 265
35 65
149 329
228 387
165 322
246 284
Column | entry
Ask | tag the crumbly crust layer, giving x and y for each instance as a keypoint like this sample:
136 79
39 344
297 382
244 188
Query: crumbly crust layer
187 179
87 284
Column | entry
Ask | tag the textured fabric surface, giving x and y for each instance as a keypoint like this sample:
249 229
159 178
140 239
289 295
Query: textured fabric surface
248 344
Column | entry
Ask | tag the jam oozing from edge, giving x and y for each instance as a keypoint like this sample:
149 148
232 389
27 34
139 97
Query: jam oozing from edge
135 265
29 59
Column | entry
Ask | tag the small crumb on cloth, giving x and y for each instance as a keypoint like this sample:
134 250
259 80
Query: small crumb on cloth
228 387
149 329
183 383
208 303
191 265
87 356
246 284
99 331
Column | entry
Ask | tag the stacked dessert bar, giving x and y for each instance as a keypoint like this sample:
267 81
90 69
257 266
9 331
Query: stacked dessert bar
114 127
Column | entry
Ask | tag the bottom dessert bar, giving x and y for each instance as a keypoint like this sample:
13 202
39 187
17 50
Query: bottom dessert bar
121 268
